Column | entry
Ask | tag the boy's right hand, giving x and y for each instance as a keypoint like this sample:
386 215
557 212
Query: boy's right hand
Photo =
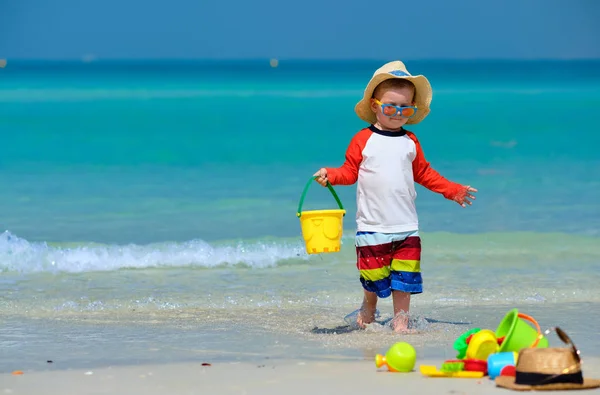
321 176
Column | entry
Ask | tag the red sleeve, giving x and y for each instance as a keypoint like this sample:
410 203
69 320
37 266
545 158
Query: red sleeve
425 175
348 173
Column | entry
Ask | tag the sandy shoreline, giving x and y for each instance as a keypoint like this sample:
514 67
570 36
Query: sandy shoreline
268 377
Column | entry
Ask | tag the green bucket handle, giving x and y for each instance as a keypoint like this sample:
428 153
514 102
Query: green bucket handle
310 180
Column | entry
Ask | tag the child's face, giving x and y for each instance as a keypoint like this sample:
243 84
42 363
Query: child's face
397 96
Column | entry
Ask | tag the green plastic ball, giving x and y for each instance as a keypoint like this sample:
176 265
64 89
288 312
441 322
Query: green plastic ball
401 357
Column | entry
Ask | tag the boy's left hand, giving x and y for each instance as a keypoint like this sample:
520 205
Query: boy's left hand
463 197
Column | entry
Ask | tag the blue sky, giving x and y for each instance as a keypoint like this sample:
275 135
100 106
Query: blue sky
284 29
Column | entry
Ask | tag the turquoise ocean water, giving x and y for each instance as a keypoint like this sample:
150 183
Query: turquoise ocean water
149 208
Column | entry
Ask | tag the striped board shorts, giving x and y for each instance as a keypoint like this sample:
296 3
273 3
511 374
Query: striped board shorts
389 261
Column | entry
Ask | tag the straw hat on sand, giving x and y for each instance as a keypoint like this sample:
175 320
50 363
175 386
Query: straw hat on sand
388 71
546 369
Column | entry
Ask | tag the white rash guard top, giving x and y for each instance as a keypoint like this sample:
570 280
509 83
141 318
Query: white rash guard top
386 165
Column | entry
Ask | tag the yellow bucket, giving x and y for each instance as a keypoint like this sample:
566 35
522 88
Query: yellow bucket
321 229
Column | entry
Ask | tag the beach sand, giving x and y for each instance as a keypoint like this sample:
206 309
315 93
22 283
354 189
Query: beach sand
264 377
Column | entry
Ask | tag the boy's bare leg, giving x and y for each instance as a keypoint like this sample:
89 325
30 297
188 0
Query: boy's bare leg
366 315
401 301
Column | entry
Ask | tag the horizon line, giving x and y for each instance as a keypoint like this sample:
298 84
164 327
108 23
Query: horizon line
95 59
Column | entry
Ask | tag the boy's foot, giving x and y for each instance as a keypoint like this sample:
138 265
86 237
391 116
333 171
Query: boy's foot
400 324
365 316
404 331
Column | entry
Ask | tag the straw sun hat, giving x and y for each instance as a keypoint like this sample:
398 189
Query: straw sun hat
547 369
388 71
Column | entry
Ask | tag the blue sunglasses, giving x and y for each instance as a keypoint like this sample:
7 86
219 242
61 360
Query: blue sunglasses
390 110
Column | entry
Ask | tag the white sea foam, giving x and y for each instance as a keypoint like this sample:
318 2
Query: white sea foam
20 255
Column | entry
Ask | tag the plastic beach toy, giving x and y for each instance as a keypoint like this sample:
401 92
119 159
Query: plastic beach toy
482 344
517 334
432 371
467 365
461 344
321 229
499 362
401 357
